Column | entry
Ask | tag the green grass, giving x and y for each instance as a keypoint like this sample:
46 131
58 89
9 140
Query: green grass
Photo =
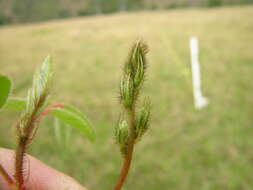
185 149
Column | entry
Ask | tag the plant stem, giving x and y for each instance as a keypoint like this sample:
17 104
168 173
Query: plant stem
19 162
25 137
130 149
6 176
125 168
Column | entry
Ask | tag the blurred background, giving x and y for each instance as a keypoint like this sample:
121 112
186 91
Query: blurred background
17 11
186 148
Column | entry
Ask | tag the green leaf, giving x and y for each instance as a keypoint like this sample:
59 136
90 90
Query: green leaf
74 110
5 88
75 118
16 104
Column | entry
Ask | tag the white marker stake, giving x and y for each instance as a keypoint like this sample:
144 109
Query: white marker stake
199 100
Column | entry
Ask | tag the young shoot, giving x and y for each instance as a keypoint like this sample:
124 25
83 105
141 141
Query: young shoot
33 108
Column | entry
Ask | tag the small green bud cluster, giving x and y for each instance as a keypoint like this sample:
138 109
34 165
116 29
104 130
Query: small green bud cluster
130 85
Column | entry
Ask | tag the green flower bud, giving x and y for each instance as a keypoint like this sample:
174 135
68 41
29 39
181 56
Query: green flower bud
139 75
142 123
121 135
136 63
127 91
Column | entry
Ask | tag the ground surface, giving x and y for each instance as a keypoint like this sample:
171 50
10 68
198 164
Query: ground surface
185 149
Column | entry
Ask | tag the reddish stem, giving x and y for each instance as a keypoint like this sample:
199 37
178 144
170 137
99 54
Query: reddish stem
48 109
125 168
129 154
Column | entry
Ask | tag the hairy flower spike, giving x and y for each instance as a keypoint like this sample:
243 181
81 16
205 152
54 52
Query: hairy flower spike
131 129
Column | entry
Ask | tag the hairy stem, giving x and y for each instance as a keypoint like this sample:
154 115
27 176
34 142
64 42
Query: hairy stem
130 149
19 162
25 137
6 176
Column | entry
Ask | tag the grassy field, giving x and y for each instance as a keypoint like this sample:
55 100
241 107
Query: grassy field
185 149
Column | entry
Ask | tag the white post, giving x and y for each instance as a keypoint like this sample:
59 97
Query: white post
199 100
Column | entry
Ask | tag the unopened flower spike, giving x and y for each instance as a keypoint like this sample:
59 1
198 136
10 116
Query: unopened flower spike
131 128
